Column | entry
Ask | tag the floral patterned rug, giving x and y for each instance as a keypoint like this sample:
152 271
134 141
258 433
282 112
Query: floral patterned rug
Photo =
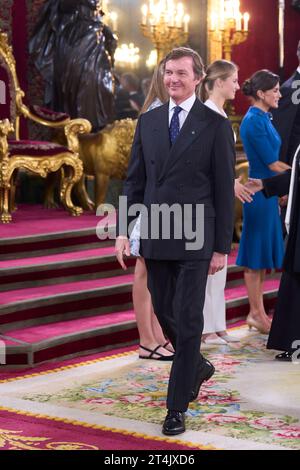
252 402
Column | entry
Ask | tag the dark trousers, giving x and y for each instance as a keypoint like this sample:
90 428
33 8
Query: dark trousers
177 289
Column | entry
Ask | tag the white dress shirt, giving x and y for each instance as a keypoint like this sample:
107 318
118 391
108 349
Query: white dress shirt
186 106
298 69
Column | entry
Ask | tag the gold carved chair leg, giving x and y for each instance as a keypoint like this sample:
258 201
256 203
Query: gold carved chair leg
5 211
71 174
13 188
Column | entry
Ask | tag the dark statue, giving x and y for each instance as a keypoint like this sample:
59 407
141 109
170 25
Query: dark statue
74 52
296 4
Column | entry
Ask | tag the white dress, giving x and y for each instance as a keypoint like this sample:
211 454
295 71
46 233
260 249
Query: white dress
214 310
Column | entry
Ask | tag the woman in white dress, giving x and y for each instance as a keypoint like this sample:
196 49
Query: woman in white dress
219 85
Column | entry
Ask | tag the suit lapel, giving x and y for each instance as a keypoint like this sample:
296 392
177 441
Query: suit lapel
161 137
193 126
294 77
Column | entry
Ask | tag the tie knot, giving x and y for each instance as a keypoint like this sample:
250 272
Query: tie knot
177 110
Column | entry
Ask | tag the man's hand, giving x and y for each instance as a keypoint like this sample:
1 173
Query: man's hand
217 263
122 247
241 191
254 185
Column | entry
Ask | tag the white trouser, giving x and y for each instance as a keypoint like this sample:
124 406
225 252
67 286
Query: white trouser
214 310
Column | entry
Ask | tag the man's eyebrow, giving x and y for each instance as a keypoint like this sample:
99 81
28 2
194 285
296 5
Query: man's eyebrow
179 70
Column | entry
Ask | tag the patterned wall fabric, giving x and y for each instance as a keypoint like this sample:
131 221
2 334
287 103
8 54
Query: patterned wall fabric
6 17
5 26
35 93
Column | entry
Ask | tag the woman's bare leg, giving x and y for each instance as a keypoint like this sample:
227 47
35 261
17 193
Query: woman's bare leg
257 315
150 332
262 279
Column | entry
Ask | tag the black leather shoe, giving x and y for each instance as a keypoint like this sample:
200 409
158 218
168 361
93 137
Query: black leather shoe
174 423
205 371
285 356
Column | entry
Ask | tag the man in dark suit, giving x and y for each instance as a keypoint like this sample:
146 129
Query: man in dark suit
287 116
183 154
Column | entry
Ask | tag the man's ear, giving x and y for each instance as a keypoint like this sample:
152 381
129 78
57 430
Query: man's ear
199 79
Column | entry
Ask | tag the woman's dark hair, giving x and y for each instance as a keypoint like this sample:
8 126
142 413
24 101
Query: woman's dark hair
263 80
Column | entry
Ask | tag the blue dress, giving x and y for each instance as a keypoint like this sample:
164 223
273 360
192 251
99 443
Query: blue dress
261 245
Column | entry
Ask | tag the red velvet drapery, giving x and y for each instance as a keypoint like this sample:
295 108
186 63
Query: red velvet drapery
259 51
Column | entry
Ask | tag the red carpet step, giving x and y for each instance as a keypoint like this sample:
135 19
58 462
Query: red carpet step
86 264
33 345
62 293
60 268
46 304
30 346
37 231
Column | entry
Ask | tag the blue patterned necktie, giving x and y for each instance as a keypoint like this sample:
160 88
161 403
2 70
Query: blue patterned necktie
175 126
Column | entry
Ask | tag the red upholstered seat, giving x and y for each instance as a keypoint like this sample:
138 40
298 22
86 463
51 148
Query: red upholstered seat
48 114
34 148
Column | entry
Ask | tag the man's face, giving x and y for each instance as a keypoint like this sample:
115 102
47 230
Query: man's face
179 79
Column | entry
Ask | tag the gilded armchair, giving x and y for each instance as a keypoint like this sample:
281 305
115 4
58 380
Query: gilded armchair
40 158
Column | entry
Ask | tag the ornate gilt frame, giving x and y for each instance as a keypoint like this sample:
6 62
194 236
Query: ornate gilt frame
41 165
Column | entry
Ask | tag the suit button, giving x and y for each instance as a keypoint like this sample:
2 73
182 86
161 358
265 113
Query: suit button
152 162
188 162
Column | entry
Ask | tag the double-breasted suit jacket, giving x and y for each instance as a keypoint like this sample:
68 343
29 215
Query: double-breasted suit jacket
197 169
287 118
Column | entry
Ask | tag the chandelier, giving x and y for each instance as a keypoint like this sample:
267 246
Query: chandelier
127 55
166 24
229 25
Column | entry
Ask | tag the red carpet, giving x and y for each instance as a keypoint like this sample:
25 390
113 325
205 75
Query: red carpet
25 432
55 365
42 332
60 257
22 295
35 220
241 291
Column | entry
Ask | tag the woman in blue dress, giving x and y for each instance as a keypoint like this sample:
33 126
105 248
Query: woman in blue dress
261 244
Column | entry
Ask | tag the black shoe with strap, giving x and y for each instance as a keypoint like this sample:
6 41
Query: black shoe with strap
154 352
165 346
174 423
